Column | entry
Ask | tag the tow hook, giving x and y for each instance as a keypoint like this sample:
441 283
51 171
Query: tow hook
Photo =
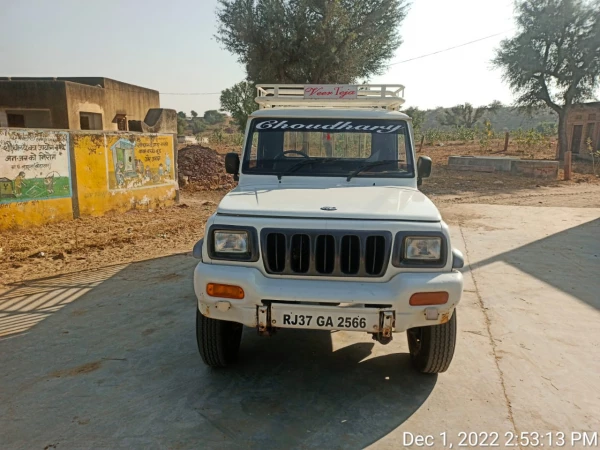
386 325
263 318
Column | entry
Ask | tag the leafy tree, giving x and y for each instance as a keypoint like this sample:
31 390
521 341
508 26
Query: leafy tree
462 115
417 116
238 100
181 115
495 107
213 117
181 124
198 125
547 129
554 59
194 113
311 41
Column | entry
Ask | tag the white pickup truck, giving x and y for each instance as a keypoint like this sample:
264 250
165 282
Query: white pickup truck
327 229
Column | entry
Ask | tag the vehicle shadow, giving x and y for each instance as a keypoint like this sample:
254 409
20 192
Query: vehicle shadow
294 390
118 368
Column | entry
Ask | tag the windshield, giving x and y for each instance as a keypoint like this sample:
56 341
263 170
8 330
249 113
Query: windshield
328 147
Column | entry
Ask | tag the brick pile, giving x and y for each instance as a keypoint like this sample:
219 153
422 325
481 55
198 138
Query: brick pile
202 168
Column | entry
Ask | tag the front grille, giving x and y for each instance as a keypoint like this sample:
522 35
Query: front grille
326 252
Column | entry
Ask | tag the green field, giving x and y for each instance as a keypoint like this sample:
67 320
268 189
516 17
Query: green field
36 189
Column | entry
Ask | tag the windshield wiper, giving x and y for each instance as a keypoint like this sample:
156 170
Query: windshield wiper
371 165
306 162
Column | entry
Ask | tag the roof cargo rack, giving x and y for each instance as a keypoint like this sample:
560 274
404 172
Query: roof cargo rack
378 96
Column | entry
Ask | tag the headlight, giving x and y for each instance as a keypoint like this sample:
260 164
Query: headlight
227 241
423 248
232 243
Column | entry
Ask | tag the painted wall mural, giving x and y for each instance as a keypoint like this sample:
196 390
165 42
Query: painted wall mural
34 165
143 161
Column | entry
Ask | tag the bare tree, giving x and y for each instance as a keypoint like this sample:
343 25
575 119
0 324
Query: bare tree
554 59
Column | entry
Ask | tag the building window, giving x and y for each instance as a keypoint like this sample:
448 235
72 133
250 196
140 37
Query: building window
592 117
121 120
90 121
16 120
29 118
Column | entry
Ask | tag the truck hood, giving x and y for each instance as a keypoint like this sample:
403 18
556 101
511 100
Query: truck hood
350 202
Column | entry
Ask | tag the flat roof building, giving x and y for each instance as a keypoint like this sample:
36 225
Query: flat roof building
583 129
74 103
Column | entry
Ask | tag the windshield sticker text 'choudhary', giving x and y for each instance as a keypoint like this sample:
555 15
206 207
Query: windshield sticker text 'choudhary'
339 126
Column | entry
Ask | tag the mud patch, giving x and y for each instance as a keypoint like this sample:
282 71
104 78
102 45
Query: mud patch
148 331
80 421
79 370
169 277
456 216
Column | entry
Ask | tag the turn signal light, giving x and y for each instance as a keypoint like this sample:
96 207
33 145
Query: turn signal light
224 291
429 298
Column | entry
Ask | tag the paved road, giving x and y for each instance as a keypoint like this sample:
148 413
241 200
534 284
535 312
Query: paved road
107 359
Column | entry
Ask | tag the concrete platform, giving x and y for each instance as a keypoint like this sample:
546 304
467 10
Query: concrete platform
108 359
516 166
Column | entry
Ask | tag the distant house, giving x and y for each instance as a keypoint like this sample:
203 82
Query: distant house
583 124
74 103
187 139
191 140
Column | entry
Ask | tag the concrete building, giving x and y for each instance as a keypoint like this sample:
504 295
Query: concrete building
583 123
87 103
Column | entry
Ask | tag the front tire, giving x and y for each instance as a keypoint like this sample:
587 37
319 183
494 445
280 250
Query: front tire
432 347
218 340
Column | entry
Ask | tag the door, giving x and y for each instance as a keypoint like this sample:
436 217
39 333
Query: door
576 141
588 143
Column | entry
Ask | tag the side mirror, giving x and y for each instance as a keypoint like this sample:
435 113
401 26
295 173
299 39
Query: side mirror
423 169
232 163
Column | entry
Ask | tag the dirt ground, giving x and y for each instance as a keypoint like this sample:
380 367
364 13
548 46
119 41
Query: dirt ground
95 242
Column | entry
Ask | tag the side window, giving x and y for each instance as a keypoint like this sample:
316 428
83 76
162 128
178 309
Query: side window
253 151
402 147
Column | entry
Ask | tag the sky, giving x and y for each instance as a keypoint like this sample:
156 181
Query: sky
170 46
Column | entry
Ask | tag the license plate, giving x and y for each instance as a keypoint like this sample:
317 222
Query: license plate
324 318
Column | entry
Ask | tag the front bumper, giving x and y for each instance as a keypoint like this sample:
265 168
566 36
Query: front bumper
393 294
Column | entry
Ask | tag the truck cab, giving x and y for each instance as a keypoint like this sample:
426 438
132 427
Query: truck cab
327 229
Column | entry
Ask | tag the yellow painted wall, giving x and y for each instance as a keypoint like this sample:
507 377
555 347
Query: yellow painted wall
35 212
114 172
117 172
